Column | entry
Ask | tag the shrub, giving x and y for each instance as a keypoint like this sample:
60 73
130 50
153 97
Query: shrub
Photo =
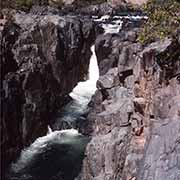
164 20
24 4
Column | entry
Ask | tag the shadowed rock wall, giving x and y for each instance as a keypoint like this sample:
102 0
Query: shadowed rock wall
43 57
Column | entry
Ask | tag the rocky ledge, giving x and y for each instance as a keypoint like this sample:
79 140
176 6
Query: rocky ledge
135 116
43 57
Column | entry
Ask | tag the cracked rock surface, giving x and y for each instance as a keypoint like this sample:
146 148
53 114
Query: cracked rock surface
135 117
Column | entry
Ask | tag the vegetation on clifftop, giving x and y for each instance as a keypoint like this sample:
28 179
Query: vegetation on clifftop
26 4
164 20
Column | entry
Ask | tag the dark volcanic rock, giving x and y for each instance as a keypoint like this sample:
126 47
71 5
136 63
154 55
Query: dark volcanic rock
109 46
43 57
135 115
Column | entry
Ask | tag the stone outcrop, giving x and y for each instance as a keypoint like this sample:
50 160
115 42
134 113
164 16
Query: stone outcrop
43 57
120 2
135 116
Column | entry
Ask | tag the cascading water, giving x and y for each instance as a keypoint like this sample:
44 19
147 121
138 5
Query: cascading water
114 24
73 112
55 156
84 90
59 154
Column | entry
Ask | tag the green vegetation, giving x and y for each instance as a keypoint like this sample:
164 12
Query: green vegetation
17 4
164 20
24 4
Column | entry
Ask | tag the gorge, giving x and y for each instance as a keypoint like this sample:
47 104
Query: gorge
43 58
84 99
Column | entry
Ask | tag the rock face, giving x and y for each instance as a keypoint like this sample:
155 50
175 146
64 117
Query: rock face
43 57
135 119
120 2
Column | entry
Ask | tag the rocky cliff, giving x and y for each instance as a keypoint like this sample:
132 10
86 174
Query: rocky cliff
133 2
43 57
135 119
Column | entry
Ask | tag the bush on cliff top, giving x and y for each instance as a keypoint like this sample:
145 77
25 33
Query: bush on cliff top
24 4
164 20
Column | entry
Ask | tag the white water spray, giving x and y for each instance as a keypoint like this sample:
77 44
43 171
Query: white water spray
49 130
40 144
84 90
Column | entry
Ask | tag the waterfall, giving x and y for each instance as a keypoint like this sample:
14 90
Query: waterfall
81 95
84 90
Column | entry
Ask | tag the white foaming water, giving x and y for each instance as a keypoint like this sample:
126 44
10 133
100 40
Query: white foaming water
39 145
84 90
49 130
135 17
116 22
103 18
112 28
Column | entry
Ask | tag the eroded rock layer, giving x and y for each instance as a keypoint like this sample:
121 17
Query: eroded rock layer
43 57
135 120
